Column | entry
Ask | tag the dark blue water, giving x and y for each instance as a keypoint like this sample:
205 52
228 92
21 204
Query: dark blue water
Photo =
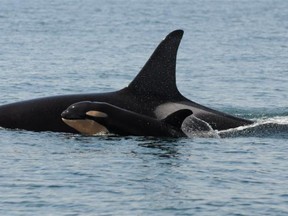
233 57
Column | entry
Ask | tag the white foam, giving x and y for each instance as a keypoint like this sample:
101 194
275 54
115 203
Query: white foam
281 120
277 120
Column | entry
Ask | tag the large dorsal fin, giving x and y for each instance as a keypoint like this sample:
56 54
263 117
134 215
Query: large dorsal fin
157 77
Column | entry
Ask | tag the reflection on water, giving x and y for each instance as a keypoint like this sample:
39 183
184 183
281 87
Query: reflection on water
166 148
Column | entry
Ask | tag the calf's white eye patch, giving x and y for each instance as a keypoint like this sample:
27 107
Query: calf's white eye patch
94 113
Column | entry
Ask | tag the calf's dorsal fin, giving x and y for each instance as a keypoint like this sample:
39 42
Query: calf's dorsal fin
176 119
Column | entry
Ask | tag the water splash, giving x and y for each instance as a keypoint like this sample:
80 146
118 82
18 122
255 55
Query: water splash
195 127
276 126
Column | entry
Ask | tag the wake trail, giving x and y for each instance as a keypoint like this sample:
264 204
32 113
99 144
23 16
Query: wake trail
263 127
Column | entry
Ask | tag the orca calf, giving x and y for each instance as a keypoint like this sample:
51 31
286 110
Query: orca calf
153 93
97 118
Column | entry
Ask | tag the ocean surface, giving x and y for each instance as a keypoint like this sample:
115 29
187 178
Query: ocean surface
233 58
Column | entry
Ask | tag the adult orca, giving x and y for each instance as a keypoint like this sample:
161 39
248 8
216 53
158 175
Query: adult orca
153 93
97 118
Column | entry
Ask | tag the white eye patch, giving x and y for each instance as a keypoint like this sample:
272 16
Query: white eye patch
94 113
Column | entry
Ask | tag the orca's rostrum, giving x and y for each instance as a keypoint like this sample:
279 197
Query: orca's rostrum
153 93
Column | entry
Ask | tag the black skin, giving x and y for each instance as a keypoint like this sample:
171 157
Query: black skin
154 86
124 122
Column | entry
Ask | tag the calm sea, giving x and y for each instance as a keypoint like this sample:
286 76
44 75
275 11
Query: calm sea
233 58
